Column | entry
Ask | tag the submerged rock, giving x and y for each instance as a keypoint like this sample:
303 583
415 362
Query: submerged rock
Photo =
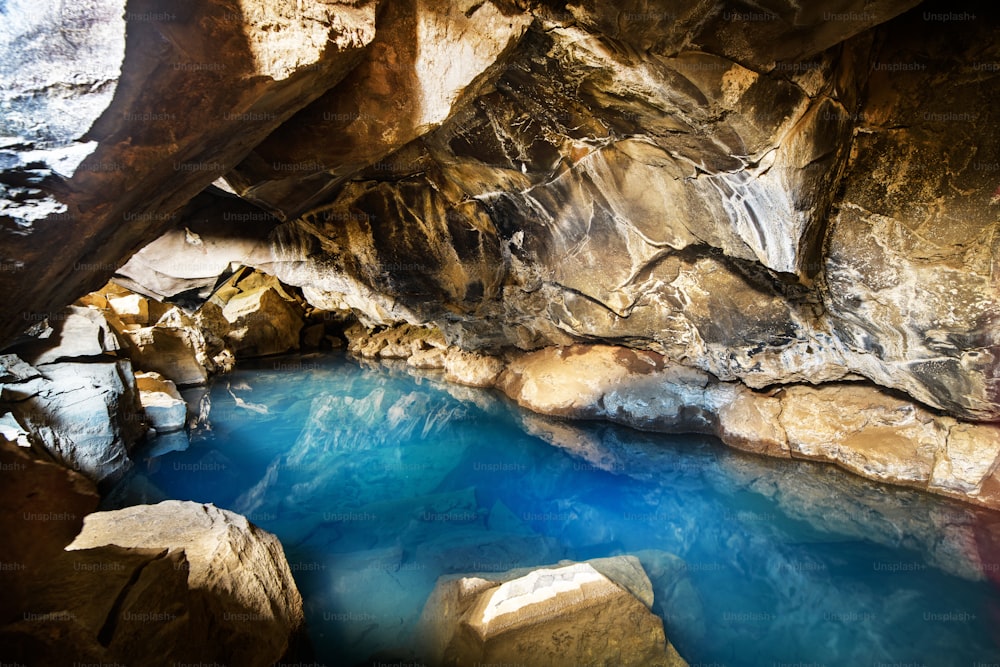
595 612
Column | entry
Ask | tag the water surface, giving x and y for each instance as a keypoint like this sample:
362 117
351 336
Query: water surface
377 482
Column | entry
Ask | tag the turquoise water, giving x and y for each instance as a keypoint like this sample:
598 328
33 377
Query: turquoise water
377 482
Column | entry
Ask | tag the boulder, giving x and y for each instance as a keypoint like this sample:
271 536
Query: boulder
86 416
130 309
175 352
470 368
165 409
262 322
567 614
251 315
73 333
238 605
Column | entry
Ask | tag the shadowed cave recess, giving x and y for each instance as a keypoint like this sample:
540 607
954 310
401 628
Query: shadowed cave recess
508 332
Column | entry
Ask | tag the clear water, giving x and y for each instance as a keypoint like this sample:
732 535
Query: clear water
377 482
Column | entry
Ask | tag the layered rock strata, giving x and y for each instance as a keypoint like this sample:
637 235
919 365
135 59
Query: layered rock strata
748 199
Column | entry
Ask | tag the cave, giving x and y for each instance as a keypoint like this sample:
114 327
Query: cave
500 332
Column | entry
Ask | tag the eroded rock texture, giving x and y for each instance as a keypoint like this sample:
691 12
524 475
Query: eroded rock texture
153 584
769 214
760 196
117 115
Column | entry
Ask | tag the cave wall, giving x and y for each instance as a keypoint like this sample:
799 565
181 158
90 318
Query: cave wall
826 217
118 113
774 195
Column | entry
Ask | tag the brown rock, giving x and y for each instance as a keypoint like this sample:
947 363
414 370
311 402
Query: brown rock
175 352
570 614
43 509
262 322
252 609
426 59
162 112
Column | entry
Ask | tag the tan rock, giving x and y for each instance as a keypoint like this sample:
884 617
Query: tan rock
239 570
426 58
570 614
175 352
470 368
854 425
164 407
131 309
971 452
395 342
572 381
861 429
216 589
749 421
312 336
430 358
262 322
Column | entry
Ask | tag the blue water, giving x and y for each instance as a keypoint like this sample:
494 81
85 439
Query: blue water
378 481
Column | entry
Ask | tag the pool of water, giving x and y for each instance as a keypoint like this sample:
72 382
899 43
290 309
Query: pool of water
378 481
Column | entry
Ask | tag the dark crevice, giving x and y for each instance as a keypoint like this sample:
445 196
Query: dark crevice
107 630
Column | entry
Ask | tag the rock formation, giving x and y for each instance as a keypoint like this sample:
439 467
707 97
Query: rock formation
79 403
164 407
667 177
771 222
871 432
107 134
215 588
568 614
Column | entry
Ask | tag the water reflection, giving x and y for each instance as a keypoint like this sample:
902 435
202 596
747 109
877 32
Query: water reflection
379 479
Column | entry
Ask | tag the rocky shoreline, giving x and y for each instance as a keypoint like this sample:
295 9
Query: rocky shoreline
777 227
861 428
